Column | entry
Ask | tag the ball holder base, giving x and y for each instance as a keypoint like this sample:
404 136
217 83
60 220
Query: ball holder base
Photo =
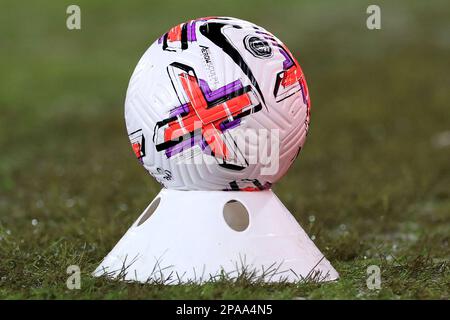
198 236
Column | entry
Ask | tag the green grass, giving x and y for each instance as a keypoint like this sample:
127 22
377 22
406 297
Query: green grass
371 173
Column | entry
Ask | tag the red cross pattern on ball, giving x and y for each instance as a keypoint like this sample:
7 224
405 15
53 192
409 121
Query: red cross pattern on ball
206 115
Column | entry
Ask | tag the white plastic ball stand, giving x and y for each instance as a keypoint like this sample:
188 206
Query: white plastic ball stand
198 236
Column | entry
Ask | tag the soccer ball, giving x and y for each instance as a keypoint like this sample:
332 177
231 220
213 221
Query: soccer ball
217 103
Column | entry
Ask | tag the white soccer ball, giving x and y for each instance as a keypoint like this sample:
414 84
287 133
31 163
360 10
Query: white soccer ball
217 103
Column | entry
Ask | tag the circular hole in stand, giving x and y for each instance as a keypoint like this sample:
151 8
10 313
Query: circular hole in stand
150 210
236 215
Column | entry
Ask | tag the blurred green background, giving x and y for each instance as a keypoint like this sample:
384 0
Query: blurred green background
372 185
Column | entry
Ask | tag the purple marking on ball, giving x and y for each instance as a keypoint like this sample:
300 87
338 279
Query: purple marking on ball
185 144
191 35
179 110
230 125
221 92
287 63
